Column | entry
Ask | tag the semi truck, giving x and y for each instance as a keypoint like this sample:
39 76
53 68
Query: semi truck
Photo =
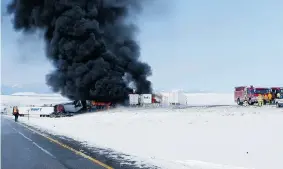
144 99
78 106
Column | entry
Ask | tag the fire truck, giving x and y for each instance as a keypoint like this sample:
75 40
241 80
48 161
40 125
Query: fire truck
249 94
275 90
276 100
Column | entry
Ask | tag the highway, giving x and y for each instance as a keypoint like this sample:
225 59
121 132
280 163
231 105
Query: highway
22 148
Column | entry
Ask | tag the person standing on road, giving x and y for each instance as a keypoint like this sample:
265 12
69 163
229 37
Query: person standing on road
260 100
16 113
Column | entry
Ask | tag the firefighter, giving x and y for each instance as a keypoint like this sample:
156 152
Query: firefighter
278 95
16 113
269 98
265 98
260 100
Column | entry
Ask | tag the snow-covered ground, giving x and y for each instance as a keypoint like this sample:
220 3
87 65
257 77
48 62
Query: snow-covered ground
227 137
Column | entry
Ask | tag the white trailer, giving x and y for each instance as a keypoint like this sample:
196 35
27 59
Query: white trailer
165 100
146 98
177 98
134 99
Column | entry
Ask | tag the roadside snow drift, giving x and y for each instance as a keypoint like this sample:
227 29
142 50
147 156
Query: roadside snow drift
192 138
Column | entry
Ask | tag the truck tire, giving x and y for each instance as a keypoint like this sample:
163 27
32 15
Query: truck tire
239 102
250 102
278 105
246 103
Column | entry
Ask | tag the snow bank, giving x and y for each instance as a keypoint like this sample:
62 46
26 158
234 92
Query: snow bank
193 138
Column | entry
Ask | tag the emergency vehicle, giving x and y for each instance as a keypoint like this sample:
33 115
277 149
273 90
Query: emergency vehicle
249 94
275 91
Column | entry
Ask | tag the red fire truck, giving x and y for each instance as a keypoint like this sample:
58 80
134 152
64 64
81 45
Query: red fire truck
249 94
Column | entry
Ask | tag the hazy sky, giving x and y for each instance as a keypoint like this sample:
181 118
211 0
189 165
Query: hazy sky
201 44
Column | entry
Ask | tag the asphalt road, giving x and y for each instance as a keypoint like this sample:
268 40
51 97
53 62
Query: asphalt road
24 149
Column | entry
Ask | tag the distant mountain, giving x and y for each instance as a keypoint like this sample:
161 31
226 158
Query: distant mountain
34 88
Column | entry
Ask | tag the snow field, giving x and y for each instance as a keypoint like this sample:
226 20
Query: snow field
27 99
192 138
210 98
196 99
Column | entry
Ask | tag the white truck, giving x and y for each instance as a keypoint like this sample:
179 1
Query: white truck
177 97
279 102
68 109
278 98
134 99
145 99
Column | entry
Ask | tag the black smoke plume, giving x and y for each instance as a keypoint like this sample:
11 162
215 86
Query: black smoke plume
91 44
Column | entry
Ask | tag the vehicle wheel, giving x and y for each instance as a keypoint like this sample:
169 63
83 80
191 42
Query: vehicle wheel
278 105
239 102
250 102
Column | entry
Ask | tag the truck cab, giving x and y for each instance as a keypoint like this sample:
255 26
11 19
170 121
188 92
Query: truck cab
244 94
277 100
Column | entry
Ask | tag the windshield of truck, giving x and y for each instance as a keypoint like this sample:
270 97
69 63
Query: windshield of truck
281 91
250 91
261 91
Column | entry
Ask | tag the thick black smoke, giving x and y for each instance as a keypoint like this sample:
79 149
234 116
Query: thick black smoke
91 44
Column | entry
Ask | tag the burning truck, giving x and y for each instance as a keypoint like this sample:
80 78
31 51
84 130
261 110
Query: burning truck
79 106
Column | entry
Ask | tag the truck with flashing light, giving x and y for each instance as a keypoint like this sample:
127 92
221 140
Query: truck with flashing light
277 100
249 94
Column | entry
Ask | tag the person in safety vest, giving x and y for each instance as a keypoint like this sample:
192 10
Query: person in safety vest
269 98
278 95
260 100
16 113
265 97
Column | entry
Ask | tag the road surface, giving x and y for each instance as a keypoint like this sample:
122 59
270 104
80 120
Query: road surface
24 149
